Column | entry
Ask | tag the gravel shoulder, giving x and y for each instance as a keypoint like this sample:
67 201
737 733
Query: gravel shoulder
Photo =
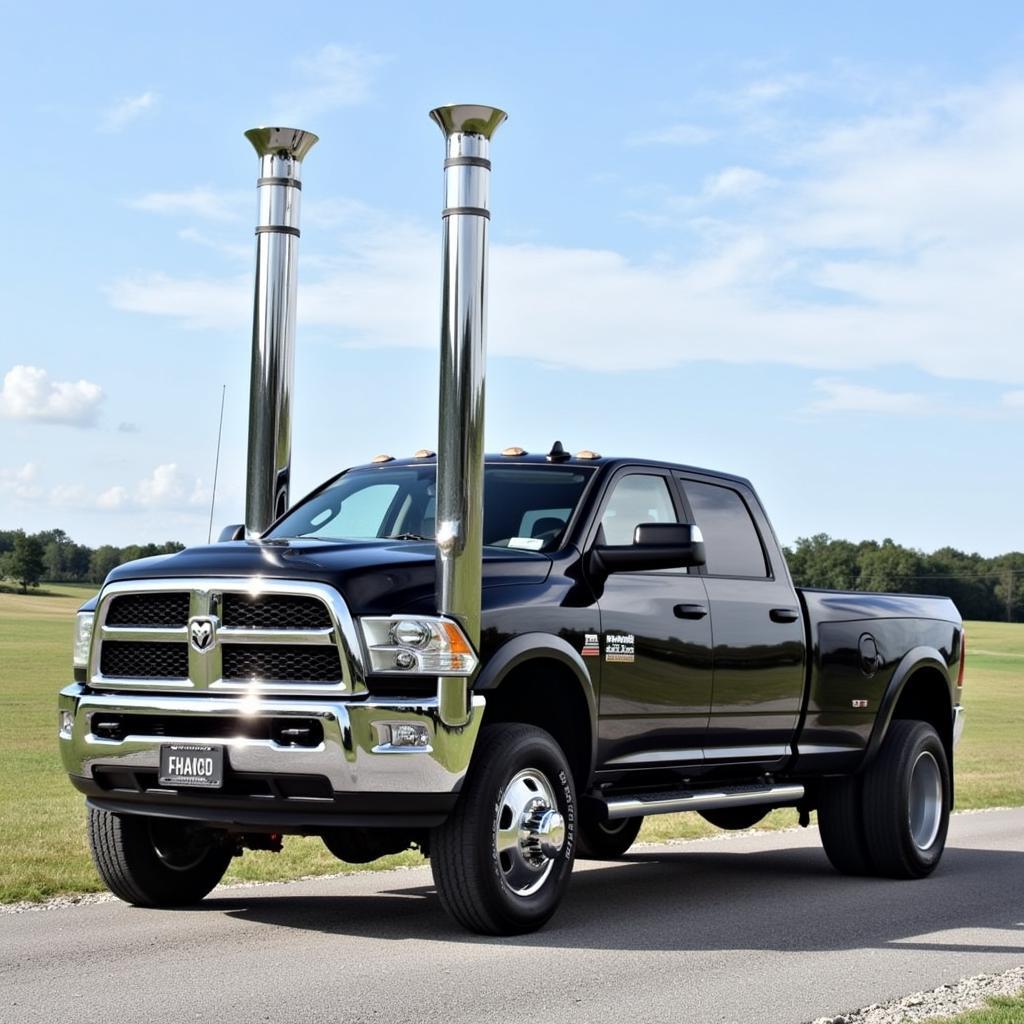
944 1001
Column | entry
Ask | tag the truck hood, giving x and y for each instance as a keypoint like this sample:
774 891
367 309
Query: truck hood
375 576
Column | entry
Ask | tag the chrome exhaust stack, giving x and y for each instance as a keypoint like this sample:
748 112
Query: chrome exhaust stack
468 130
281 151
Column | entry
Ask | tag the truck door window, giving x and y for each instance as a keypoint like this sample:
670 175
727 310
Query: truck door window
637 498
731 540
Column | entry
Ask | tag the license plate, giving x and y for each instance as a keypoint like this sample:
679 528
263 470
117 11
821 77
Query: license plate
191 764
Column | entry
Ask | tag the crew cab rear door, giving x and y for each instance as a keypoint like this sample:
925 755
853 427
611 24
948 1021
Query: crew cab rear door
655 643
756 622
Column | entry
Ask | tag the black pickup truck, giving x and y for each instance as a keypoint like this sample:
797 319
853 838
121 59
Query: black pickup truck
643 650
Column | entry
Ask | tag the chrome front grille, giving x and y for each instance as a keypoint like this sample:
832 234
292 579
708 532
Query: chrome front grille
320 664
225 635
168 610
275 611
126 659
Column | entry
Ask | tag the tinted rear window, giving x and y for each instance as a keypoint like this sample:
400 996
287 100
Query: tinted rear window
731 539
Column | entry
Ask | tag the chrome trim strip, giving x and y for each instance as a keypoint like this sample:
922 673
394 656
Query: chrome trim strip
958 724
205 667
242 635
631 806
762 753
655 757
347 755
145 634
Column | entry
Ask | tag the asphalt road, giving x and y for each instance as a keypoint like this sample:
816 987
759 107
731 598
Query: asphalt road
751 928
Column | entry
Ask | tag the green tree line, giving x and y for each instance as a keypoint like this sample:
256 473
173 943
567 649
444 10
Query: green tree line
983 588
28 558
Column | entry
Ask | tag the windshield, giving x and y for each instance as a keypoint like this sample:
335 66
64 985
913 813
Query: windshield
525 507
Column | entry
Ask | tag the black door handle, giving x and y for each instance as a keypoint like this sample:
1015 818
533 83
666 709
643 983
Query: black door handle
690 611
784 614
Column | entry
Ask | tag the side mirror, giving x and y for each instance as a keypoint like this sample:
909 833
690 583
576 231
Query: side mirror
655 546
236 531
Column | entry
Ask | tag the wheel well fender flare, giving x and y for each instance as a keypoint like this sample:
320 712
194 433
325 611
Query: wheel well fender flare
534 646
912 662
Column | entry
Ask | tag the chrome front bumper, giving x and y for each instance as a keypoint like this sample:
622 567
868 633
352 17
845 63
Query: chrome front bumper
354 755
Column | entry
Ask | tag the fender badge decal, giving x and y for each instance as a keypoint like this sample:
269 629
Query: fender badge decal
619 646
591 647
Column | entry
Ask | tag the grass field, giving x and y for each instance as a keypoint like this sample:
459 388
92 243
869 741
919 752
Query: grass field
999 1010
42 846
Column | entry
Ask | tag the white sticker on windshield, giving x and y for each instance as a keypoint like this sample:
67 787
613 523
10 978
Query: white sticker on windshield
529 543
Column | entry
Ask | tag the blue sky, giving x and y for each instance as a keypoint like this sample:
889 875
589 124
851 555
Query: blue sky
786 243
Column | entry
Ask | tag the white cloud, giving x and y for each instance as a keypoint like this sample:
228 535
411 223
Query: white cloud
113 498
681 134
1014 399
198 302
232 250
841 396
168 487
891 240
335 76
201 201
735 183
20 482
122 113
69 496
28 393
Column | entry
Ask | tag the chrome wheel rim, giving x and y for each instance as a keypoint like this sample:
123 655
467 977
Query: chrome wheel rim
925 805
529 833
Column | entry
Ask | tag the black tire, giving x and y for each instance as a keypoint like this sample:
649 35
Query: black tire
155 862
907 801
475 880
734 818
841 825
606 840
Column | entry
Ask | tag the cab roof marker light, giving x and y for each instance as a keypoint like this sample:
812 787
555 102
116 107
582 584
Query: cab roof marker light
383 458
513 451
424 453
588 454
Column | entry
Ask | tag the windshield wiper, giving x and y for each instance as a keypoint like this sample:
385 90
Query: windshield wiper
408 536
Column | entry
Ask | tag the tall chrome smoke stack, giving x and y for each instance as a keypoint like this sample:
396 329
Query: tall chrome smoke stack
281 151
468 130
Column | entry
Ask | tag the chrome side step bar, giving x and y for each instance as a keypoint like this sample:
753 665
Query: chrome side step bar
670 803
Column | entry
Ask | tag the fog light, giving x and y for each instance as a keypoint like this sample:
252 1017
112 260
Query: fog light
404 735
66 722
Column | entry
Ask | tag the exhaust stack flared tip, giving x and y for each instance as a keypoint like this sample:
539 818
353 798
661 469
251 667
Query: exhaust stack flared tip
289 142
469 119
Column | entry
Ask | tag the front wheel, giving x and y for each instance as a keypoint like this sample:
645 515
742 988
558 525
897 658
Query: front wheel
502 859
156 862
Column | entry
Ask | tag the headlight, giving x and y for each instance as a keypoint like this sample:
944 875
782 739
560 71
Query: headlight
418 644
83 638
